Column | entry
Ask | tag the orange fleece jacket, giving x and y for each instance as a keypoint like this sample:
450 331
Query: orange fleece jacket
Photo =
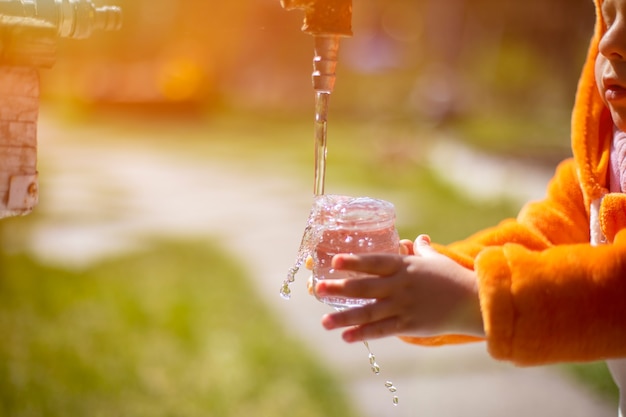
548 292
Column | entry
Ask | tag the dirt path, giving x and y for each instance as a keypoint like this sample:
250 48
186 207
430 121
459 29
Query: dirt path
103 201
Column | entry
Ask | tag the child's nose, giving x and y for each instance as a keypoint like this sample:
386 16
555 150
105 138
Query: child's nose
613 43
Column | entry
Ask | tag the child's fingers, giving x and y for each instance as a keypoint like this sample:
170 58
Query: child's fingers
423 240
372 263
308 263
366 287
367 314
309 285
422 247
371 331
406 247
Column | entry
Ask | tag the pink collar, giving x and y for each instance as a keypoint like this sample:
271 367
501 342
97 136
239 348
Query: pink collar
617 172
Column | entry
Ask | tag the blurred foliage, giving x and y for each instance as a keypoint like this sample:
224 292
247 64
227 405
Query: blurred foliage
456 58
498 75
597 377
162 333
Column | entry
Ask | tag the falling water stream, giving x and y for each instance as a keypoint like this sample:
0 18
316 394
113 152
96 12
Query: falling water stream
313 229
321 126
321 133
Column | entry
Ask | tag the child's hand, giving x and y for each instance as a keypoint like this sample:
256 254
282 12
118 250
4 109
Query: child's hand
426 294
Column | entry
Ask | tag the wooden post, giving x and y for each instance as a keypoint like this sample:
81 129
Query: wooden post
28 42
19 109
26 45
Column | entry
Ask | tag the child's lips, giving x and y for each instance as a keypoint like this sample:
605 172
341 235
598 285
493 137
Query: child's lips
614 92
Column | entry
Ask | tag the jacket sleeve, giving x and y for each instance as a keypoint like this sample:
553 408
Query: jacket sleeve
561 218
566 303
546 295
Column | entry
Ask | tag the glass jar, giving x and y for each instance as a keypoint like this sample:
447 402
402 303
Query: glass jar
350 225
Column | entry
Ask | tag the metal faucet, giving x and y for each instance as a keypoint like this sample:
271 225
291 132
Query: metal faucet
76 19
30 28
327 21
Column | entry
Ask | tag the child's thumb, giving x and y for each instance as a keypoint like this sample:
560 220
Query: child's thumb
422 247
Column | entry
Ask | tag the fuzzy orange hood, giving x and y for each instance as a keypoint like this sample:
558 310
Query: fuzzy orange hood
591 124
592 129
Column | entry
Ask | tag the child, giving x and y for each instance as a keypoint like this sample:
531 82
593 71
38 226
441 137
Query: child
549 286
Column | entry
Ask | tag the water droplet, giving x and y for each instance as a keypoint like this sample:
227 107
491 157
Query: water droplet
285 292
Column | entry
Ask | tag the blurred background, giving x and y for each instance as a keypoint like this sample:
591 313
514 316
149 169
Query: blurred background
430 60
176 171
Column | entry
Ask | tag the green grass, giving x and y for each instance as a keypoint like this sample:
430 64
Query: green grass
595 376
168 332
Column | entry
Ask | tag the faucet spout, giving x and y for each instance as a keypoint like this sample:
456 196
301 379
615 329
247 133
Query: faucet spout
325 63
324 17
327 21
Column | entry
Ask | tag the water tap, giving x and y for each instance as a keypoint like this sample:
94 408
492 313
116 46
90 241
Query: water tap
76 19
29 29
327 21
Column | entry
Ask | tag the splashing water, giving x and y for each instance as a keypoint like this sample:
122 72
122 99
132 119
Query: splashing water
310 232
303 253
342 224
376 370
313 232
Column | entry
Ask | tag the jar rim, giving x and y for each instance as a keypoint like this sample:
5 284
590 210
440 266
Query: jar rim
346 212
